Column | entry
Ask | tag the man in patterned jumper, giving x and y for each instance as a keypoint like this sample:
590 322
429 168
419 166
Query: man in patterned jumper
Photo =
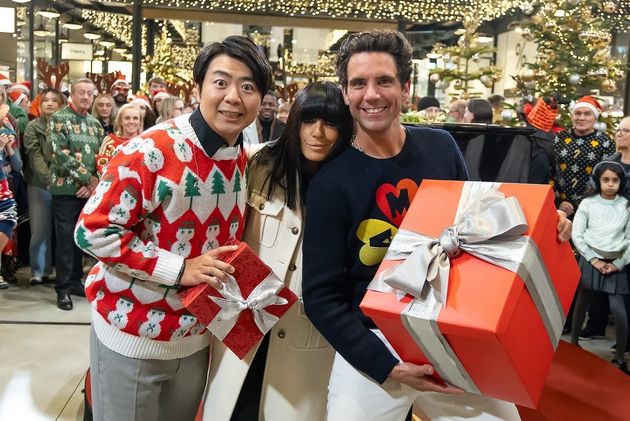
576 152
147 225
75 137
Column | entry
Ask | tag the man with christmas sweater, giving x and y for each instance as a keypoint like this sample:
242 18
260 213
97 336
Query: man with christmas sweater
147 225
577 151
355 206
75 137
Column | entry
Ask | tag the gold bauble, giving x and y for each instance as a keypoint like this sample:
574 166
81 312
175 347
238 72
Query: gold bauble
609 86
584 36
435 77
601 73
486 81
456 60
609 7
528 34
527 74
601 55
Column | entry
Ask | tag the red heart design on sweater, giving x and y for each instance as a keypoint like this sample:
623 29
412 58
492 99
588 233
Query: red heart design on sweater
394 201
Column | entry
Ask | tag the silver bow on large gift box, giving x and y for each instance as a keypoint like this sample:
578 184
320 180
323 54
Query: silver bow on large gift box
489 226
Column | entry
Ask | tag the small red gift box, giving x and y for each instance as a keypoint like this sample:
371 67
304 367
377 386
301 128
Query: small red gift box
247 306
490 322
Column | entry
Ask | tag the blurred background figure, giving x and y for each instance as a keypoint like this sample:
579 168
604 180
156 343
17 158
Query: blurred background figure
170 107
456 111
430 105
120 92
496 101
104 110
478 111
147 114
283 111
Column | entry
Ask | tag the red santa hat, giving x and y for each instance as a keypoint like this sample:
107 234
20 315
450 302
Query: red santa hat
118 85
142 100
161 94
17 96
24 87
590 103
4 81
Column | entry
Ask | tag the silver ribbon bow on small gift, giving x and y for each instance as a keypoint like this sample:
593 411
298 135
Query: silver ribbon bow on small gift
233 303
489 226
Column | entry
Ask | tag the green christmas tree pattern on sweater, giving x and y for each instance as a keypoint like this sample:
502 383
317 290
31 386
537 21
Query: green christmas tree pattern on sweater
75 138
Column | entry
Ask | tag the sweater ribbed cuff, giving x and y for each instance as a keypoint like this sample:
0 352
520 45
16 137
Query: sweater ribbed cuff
167 268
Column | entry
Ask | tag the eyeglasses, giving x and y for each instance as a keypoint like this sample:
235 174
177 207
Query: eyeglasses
622 131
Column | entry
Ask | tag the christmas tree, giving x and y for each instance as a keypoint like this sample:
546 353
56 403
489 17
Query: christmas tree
191 188
574 56
459 61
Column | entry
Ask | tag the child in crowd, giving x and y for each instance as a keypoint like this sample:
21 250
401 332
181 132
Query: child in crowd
601 231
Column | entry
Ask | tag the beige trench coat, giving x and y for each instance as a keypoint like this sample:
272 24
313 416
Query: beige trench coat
299 359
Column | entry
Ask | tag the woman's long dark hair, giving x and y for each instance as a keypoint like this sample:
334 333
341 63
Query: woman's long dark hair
318 100
481 110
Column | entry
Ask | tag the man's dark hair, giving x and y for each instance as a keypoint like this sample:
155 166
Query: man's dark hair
495 100
381 41
271 94
239 48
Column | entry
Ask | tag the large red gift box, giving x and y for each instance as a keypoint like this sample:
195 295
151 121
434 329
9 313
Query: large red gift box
249 272
489 319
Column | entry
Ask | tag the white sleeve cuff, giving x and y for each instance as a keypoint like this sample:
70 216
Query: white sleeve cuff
167 268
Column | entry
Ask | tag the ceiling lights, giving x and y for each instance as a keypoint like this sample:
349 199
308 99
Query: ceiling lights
49 13
41 31
73 24
91 35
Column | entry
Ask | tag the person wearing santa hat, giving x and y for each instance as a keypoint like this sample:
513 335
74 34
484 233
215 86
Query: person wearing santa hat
15 111
577 150
20 99
147 114
120 92
158 96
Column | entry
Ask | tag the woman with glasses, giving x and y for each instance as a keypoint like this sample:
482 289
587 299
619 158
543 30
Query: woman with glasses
622 141
170 107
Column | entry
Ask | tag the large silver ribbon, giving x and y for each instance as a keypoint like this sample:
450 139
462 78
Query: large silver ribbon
489 226
233 303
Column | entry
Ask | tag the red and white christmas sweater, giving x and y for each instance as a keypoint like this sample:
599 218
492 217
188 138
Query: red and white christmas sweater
161 200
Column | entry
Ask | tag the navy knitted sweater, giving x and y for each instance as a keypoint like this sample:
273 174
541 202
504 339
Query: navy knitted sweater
355 205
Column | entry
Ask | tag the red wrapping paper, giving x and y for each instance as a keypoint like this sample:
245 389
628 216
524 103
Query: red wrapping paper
489 319
249 271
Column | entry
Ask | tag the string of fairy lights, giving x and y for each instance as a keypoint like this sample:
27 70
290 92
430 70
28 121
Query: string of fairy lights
409 10
118 25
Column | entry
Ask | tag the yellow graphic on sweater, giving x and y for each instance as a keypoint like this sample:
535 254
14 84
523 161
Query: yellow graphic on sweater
376 236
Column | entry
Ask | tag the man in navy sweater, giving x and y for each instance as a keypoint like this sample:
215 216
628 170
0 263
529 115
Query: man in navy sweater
355 205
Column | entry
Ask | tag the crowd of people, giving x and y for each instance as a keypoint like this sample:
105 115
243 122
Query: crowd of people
138 201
